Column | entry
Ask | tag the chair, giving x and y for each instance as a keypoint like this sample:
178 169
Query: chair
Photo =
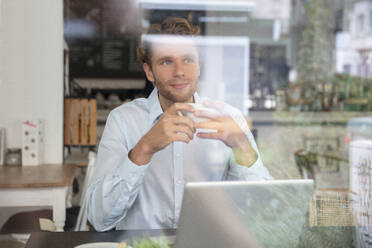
330 219
81 223
20 225
321 154
308 163
331 207
304 164
325 151
319 144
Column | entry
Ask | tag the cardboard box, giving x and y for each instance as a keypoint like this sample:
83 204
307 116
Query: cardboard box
32 142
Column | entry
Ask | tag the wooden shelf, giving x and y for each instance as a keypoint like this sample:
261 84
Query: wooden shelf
108 83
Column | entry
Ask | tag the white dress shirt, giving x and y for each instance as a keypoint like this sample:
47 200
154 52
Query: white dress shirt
123 195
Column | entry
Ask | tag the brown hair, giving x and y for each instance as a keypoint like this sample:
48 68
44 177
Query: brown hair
170 26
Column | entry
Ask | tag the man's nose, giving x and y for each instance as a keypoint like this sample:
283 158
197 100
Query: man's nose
179 69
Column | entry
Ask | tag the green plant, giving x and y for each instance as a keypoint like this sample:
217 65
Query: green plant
147 242
351 89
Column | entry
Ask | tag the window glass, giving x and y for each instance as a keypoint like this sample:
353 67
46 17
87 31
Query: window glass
291 81
305 96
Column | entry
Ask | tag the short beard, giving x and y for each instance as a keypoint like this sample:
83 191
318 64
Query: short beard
174 98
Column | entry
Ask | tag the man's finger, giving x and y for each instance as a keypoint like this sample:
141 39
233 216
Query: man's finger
210 125
181 137
183 120
220 106
214 135
213 114
184 129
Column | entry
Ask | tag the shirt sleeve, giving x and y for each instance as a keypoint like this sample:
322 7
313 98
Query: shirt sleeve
116 179
257 171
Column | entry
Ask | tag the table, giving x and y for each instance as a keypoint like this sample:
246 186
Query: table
72 239
42 185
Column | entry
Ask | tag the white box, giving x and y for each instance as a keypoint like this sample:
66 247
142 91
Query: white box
360 160
33 142
361 186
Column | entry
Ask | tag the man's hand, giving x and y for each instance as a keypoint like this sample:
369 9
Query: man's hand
170 127
228 131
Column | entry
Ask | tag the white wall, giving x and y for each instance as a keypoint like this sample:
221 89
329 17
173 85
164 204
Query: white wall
361 35
361 8
345 55
31 49
272 9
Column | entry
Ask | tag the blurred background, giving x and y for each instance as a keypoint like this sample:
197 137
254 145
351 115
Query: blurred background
299 70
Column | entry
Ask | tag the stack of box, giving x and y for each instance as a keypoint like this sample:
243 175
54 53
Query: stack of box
360 159
32 142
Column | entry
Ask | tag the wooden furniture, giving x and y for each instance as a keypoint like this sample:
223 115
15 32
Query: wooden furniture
331 207
323 145
319 154
308 163
82 220
11 244
43 185
72 239
25 222
80 122
304 165
361 103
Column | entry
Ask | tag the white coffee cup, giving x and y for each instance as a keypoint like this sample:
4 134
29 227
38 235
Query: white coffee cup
201 107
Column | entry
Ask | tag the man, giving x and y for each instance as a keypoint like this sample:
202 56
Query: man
149 149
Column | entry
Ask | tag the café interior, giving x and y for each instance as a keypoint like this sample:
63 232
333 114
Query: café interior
299 71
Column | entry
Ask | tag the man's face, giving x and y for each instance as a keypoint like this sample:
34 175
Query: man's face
174 70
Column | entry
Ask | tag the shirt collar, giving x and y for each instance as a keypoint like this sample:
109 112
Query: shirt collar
155 108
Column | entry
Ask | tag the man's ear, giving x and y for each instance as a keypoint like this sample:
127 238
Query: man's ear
148 71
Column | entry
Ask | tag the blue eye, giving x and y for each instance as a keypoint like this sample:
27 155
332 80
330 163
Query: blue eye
189 60
166 62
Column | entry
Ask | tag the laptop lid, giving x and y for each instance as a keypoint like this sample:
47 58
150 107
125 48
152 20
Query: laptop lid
244 214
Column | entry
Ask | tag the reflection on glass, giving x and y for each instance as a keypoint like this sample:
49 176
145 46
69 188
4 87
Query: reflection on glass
300 72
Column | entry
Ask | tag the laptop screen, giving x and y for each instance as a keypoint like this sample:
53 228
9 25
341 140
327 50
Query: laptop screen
244 214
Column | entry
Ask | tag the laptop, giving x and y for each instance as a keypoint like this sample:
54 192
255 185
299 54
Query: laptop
244 214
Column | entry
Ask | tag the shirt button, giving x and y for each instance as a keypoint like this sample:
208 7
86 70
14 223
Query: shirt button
179 181
178 155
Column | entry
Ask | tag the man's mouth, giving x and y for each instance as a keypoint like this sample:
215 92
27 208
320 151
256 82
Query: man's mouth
179 86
